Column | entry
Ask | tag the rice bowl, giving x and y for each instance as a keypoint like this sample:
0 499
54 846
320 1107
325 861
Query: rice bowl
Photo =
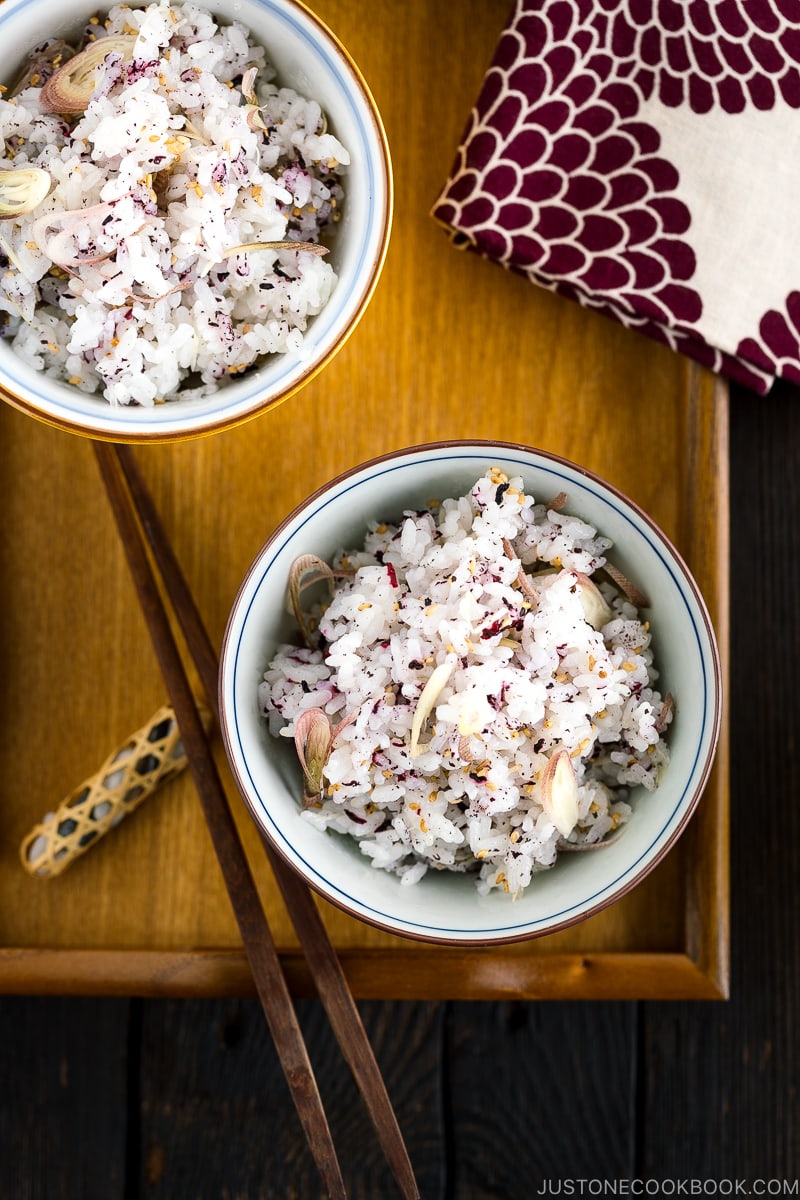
469 699
235 165
447 906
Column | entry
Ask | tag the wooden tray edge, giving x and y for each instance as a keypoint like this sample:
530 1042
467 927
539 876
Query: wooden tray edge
707 917
459 975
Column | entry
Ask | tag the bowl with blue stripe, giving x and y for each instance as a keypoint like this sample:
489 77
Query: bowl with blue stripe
309 58
445 906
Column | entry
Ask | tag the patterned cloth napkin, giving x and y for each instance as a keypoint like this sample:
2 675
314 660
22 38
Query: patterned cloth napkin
643 158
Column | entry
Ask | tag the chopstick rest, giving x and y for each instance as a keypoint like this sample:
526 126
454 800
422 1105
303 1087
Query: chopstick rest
131 773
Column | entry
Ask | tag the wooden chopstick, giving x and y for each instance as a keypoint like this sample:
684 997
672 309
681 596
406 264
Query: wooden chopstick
258 942
322 959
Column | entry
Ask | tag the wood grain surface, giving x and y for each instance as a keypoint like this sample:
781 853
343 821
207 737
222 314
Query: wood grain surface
451 346
129 1099
123 1098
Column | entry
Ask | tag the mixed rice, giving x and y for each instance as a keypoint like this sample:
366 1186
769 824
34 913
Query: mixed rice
475 700
139 275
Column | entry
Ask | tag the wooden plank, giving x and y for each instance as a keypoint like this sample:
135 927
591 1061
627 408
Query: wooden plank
720 1088
217 1120
64 1098
540 1093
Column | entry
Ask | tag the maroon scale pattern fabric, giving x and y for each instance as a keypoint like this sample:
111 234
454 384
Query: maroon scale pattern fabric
564 171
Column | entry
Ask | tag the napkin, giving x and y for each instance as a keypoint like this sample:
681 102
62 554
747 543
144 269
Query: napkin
642 157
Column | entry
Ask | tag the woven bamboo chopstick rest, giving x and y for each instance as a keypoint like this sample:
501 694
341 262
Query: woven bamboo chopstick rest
128 776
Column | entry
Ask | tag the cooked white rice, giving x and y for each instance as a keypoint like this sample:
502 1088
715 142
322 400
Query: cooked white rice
121 281
530 676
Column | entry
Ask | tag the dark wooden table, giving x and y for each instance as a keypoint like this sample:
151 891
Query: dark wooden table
116 1099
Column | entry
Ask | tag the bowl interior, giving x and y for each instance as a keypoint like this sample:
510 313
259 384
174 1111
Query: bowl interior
308 58
445 906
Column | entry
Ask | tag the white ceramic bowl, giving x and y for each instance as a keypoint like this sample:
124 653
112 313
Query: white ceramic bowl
309 58
447 907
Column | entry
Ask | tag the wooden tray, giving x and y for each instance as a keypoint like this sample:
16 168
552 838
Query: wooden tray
451 346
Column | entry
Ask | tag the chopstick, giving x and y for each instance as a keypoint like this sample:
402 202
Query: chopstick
134 508
258 942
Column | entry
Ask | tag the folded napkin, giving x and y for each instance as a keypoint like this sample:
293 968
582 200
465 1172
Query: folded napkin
643 158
